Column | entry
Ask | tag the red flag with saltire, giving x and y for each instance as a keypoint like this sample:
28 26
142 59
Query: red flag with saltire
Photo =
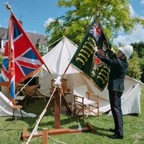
21 59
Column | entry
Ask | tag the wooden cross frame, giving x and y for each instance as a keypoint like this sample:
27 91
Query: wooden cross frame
58 96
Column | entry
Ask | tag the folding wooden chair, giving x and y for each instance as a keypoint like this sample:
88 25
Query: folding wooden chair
15 108
30 92
20 93
85 103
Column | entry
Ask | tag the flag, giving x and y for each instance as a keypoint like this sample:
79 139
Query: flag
21 59
85 59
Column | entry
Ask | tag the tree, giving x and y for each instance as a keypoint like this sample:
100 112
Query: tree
139 49
113 15
134 69
142 69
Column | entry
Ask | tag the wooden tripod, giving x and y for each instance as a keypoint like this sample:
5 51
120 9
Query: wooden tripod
58 96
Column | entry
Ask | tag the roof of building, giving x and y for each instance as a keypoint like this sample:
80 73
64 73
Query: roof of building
34 37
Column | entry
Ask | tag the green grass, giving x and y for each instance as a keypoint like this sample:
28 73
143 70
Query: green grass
10 131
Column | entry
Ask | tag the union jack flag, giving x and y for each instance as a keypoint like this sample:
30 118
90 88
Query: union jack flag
96 31
21 59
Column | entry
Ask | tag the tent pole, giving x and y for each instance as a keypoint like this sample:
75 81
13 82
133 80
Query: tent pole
66 69
48 71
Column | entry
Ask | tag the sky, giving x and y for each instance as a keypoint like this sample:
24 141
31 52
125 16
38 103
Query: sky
37 14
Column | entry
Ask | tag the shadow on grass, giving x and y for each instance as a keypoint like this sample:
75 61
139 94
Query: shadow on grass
101 131
36 106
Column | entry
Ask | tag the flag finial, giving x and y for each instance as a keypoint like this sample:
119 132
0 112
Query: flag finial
8 6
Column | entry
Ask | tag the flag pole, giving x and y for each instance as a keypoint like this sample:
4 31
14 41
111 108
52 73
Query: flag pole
97 19
12 93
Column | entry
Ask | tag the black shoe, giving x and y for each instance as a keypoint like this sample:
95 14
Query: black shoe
112 130
116 136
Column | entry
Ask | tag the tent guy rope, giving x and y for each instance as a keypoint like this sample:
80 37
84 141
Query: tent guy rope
40 117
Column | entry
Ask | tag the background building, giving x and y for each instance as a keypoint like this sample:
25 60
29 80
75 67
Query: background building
39 40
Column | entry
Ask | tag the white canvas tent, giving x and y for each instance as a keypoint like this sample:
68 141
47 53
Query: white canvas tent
58 60
59 57
6 108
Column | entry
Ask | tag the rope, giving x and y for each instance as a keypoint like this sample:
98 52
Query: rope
40 117
56 140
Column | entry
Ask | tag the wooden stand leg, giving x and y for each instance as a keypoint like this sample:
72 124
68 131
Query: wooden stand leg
57 104
24 134
45 132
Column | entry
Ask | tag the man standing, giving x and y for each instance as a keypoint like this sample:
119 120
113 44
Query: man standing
118 69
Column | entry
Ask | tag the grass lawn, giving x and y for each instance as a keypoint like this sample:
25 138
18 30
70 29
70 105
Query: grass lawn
10 131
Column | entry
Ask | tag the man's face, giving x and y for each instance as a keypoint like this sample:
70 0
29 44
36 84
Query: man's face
120 54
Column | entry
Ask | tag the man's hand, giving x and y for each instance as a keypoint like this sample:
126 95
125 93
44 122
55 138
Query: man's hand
95 49
100 51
